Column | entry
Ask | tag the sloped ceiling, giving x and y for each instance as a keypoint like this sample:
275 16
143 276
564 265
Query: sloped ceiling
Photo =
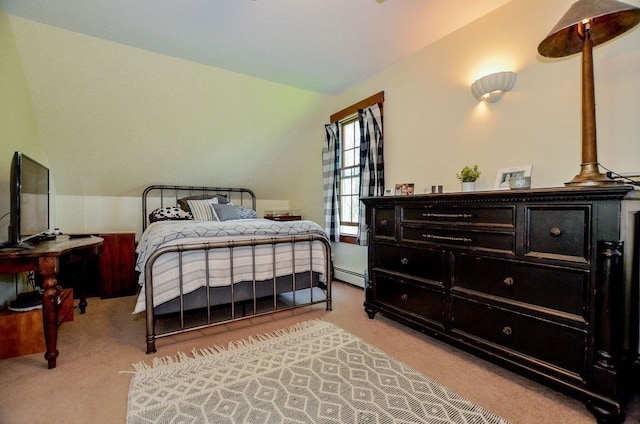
320 45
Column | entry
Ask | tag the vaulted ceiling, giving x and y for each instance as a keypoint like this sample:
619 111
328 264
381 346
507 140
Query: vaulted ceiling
319 45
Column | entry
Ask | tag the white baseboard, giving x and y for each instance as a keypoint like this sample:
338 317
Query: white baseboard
355 278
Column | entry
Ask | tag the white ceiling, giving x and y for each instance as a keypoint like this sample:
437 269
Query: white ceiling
319 45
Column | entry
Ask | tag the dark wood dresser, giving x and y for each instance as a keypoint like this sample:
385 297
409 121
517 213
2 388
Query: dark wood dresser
542 281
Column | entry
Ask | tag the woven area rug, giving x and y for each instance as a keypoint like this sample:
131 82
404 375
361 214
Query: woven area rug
313 372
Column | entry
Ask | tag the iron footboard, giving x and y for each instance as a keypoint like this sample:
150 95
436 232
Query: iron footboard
206 248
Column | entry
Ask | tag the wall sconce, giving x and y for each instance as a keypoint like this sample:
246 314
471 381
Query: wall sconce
492 87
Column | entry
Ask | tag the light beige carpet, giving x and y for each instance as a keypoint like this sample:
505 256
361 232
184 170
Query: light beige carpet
312 372
88 384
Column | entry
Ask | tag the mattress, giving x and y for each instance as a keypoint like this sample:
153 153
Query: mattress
228 264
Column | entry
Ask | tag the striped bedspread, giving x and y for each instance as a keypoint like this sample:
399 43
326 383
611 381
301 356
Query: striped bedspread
166 272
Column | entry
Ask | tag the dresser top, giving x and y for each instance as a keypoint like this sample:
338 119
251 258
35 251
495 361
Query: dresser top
613 192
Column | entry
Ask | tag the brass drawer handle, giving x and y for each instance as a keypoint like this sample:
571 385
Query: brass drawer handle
446 215
404 261
404 297
445 238
384 222
508 281
507 331
555 232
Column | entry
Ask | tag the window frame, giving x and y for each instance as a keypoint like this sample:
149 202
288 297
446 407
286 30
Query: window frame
350 120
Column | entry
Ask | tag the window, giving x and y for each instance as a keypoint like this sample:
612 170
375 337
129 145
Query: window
342 182
349 178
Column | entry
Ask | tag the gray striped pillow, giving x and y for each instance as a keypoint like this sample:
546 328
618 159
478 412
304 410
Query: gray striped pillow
202 210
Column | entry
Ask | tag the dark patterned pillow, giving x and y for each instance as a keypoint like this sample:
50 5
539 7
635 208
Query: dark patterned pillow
169 213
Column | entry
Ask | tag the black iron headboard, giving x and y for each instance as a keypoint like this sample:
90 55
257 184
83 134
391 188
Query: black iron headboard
157 196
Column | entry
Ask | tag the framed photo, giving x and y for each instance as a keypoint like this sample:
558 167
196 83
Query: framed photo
504 175
388 192
404 189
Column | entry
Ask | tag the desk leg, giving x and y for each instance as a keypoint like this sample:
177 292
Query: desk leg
50 296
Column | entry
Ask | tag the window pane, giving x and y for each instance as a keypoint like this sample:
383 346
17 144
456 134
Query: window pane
355 185
348 230
348 132
349 158
350 177
346 208
355 209
346 187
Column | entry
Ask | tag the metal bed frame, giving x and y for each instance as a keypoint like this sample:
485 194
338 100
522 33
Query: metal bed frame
296 285
171 193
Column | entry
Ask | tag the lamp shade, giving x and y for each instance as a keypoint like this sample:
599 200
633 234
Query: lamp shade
608 19
492 87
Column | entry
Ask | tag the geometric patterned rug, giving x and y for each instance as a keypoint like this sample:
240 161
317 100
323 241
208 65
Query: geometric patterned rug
313 372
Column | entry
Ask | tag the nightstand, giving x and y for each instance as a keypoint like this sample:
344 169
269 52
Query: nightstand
115 274
284 218
283 215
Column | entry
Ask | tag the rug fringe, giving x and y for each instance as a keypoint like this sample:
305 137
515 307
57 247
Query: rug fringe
201 353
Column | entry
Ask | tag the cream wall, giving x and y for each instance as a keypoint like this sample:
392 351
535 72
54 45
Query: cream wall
18 130
110 119
117 213
434 126
115 119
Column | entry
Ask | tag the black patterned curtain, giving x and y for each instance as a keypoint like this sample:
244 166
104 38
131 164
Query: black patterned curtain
330 180
371 161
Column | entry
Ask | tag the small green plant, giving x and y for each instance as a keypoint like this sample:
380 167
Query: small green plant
469 174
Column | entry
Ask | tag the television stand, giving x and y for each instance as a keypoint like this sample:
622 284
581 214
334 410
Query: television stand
46 259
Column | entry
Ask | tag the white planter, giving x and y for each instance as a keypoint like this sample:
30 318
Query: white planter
469 186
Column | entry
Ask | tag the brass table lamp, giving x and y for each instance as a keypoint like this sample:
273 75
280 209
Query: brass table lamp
586 24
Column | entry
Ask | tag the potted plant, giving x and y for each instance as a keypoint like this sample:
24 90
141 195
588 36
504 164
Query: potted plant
468 177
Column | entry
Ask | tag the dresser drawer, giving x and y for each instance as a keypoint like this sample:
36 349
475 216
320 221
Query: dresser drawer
407 296
494 241
384 222
554 344
558 232
560 289
418 262
501 216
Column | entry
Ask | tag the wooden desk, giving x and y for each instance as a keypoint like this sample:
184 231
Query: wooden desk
46 260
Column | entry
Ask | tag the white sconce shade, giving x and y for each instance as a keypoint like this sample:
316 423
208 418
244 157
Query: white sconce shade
492 87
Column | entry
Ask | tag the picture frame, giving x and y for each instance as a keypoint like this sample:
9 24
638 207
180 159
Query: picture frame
505 174
405 189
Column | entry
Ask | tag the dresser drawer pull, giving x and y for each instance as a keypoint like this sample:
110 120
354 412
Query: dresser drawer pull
508 281
445 238
555 232
447 215
404 261
507 331
404 297
384 222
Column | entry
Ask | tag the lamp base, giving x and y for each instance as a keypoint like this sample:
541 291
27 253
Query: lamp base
590 175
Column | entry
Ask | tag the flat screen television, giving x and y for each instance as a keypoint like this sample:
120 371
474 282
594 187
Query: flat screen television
29 202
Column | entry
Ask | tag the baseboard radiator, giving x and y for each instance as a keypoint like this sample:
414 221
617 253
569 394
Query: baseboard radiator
349 276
